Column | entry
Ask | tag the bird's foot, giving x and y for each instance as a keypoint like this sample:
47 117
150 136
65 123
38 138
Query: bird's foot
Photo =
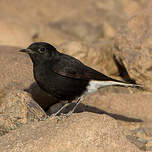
62 115
43 118
71 111
65 115
55 114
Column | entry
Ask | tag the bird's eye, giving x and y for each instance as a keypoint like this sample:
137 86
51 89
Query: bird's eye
42 50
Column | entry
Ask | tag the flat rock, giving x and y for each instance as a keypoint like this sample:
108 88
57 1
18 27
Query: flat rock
85 132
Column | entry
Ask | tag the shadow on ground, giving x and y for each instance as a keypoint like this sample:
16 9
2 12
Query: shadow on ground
82 107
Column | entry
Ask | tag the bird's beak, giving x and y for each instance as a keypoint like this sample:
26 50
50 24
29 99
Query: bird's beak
27 51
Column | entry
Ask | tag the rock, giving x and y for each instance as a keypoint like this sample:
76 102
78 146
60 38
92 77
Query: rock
16 109
137 141
101 23
20 24
16 68
148 131
133 47
79 132
81 30
14 33
149 146
115 13
141 137
50 35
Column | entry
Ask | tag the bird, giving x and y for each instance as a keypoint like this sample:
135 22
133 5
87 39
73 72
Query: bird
65 77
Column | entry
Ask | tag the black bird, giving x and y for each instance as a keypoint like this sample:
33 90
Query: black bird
65 77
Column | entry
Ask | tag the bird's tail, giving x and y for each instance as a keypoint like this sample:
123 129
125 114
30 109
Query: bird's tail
124 84
100 84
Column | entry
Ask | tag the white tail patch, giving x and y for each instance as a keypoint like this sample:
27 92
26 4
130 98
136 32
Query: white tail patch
94 85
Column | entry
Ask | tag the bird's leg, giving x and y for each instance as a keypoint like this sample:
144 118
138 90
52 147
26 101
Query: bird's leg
79 100
64 106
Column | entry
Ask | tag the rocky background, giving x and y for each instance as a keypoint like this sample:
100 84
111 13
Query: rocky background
112 36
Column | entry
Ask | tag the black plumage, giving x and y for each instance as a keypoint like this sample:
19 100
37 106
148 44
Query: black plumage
63 76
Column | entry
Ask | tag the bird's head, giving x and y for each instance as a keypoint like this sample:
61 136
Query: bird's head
40 51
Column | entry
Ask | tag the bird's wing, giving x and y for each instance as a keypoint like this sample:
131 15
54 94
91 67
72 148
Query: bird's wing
71 67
